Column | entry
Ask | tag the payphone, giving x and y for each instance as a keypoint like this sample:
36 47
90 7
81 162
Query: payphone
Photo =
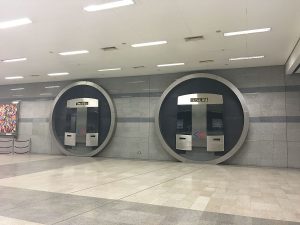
82 122
200 122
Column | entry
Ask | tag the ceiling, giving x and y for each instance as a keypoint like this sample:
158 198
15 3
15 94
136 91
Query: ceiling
63 25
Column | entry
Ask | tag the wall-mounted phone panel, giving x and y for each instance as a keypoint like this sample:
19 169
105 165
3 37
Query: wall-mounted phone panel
202 118
200 122
79 111
82 119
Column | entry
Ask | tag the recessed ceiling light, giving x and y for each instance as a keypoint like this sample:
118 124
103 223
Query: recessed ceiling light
110 48
44 94
16 102
13 78
170 64
14 60
112 69
206 61
194 38
50 87
17 89
149 44
245 58
138 67
14 23
74 52
58 74
110 5
247 32
18 95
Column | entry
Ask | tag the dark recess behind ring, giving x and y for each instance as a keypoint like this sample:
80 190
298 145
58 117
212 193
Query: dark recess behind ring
233 116
82 91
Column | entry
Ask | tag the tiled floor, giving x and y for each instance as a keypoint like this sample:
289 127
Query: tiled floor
40 189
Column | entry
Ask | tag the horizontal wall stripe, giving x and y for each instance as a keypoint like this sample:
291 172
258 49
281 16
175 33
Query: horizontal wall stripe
135 120
136 95
291 88
5 100
259 119
293 119
263 89
275 119
268 119
32 120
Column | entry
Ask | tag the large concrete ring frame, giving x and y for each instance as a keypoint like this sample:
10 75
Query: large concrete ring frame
112 121
212 77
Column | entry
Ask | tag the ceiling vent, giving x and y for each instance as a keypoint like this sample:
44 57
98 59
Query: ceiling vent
138 67
206 61
111 48
194 38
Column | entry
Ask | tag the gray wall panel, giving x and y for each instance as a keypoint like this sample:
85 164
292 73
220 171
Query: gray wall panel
156 151
293 132
293 103
24 130
35 109
40 144
294 154
132 130
272 97
267 132
132 106
127 147
266 104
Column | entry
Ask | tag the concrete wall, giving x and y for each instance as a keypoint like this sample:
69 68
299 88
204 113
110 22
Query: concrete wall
272 97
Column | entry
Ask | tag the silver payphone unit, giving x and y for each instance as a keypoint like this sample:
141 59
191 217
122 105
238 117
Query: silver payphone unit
200 122
82 122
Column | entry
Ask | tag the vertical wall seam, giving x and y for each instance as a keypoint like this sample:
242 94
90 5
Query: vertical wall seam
286 123
149 111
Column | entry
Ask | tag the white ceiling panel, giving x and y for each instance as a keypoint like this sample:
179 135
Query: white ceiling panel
64 26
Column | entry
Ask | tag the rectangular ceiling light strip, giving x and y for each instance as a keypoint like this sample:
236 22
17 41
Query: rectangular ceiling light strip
58 74
17 89
146 44
14 23
14 60
14 78
50 87
45 94
110 5
74 52
247 32
112 69
170 64
245 58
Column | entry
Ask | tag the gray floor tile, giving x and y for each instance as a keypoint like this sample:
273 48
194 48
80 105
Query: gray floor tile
18 169
13 197
120 212
48 208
